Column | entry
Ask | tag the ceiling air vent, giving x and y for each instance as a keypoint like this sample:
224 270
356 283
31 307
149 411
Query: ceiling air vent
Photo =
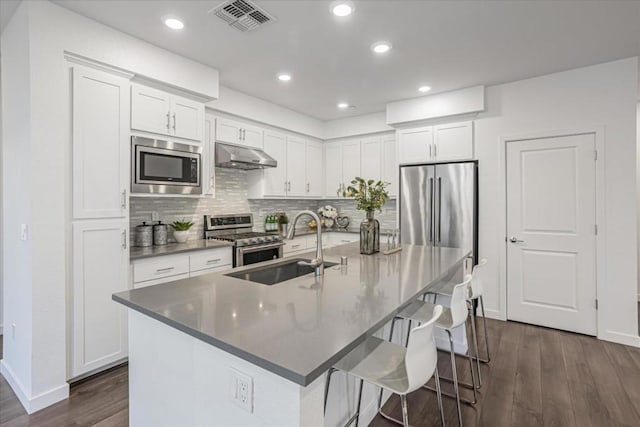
243 15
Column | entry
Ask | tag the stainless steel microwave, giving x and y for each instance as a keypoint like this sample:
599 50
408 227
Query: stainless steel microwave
165 167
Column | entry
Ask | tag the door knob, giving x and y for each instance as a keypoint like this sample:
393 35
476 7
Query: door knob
514 239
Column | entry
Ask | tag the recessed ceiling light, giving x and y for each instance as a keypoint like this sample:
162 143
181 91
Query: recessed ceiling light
342 8
381 47
424 89
174 24
284 77
343 105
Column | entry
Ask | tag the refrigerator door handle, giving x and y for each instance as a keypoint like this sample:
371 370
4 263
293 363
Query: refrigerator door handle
439 207
430 198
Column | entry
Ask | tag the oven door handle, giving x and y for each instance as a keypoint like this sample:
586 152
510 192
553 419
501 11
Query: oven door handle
250 249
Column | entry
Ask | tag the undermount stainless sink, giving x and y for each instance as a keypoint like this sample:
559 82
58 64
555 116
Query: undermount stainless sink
276 273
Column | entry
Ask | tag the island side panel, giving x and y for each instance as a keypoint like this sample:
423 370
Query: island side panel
175 379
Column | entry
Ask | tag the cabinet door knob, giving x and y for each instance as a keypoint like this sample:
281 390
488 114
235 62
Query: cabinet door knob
168 120
174 122
124 199
124 239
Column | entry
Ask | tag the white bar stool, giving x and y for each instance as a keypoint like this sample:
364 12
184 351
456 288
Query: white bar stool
452 317
476 291
395 368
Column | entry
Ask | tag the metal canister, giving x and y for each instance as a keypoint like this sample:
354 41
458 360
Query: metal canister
160 234
144 235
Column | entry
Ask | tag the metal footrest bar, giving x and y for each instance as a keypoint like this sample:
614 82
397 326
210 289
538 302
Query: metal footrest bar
389 417
453 396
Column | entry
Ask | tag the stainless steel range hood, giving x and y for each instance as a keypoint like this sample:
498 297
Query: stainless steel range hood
239 157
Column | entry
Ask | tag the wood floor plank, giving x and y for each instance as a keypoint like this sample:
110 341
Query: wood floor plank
610 390
628 376
588 410
557 408
527 393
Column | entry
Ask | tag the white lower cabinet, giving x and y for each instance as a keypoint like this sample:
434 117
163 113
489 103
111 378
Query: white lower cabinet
167 268
308 242
100 268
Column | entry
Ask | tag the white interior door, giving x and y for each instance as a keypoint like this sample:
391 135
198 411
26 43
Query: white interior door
551 244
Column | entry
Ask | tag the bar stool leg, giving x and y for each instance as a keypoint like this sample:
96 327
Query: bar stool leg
473 376
405 414
455 377
486 337
357 416
439 394
326 387
474 334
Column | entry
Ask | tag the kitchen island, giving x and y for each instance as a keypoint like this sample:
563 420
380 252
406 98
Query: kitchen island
219 350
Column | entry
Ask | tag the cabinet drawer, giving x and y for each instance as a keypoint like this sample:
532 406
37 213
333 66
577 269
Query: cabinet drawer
295 245
210 259
161 267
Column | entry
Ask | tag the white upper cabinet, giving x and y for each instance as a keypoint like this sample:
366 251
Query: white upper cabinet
150 110
275 179
415 145
155 111
236 132
350 161
296 168
100 144
342 165
390 170
209 156
453 141
448 142
314 169
333 169
186 118
372 152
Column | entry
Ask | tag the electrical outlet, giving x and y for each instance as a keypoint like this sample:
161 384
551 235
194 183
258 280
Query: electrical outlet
155 216
24 232
242 390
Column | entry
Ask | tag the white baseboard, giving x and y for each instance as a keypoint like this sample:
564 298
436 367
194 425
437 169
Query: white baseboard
493 314
35 403
620 338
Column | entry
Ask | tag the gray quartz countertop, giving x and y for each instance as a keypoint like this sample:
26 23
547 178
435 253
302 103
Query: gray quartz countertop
306 231
175 248
299 328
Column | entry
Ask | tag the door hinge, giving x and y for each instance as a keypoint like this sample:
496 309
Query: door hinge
595 229
595 155
596 304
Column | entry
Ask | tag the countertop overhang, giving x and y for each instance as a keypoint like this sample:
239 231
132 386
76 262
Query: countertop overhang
299 328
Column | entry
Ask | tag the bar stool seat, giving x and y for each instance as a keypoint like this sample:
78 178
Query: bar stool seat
393 367
422 311
380 362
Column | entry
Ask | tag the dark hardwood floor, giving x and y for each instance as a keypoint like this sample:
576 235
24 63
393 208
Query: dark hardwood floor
537 377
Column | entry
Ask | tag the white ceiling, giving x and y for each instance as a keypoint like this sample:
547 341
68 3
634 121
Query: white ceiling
446 44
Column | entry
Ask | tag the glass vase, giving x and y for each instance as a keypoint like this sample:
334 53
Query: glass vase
369 235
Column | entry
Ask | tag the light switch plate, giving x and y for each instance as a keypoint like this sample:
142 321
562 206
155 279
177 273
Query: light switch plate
24 232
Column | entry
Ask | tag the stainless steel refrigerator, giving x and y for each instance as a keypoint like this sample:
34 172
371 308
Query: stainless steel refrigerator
439 205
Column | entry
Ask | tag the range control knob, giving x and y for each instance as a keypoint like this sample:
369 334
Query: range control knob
253 240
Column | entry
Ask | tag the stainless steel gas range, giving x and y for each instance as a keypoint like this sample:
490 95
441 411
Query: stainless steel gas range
249 247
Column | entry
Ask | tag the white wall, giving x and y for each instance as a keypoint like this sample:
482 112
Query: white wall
597 96
16 193
247 106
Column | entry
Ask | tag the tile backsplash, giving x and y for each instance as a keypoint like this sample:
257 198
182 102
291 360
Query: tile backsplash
231 197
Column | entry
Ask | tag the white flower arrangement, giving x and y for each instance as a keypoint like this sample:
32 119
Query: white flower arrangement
328 211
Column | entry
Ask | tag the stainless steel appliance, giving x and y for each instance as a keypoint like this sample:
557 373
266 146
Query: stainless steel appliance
249 247
165 167
242 157
439 205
